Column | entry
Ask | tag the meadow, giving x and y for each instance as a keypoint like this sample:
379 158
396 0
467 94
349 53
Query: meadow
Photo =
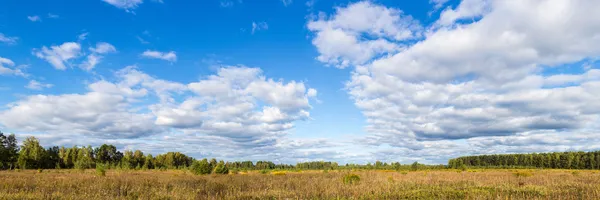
310 184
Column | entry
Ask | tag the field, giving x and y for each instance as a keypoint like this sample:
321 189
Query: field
181 184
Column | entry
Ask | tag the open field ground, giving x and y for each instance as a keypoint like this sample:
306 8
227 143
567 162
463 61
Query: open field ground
180 184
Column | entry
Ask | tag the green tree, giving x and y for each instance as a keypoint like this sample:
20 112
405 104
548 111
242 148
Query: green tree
220 168
32 154
201 167
9 151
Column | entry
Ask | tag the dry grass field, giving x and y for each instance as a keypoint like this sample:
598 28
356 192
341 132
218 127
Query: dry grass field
180 184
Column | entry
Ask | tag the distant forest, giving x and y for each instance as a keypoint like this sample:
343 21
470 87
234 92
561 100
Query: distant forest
31 155
557 160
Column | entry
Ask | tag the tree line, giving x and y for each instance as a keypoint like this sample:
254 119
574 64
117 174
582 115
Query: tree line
556 160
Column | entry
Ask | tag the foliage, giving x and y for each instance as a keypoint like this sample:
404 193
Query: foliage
32 155
201 167
101 169
351 179
220 168
556 160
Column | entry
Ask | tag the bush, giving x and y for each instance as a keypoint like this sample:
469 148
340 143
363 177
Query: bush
264 171
200 167
100 170
40 170
221 168
351 179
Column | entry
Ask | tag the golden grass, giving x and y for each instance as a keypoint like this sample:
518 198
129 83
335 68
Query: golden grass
179 184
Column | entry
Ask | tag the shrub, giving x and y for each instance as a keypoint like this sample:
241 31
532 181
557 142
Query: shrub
404 172
221 168
40 170
351 179
100 170
264 171
200 167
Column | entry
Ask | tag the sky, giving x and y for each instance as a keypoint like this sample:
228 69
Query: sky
303 80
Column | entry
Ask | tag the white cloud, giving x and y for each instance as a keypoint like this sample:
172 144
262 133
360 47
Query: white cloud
35 85
34 18
466 9
103 48
259 26
168 56
126 5
5 63
340 39
96 56
7 39
57 56
237 108
477 75
227 105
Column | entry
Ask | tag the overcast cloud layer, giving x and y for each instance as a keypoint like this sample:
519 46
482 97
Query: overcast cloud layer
483 78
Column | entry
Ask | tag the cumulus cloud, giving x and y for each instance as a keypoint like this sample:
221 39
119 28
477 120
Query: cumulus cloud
7 39
58 56
7 68
467 9
477 74
240 104
35 85
168 56
343 39
236 113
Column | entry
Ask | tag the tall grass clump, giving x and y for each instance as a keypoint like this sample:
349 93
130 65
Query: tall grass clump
100 169
351 179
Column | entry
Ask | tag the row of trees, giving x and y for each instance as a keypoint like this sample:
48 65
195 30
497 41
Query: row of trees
562 160
31 155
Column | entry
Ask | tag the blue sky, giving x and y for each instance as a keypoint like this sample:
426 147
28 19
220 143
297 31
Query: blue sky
297 80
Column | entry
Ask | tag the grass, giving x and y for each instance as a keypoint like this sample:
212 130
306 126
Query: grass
180 184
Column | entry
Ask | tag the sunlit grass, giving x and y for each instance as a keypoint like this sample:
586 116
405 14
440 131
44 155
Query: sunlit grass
307 184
